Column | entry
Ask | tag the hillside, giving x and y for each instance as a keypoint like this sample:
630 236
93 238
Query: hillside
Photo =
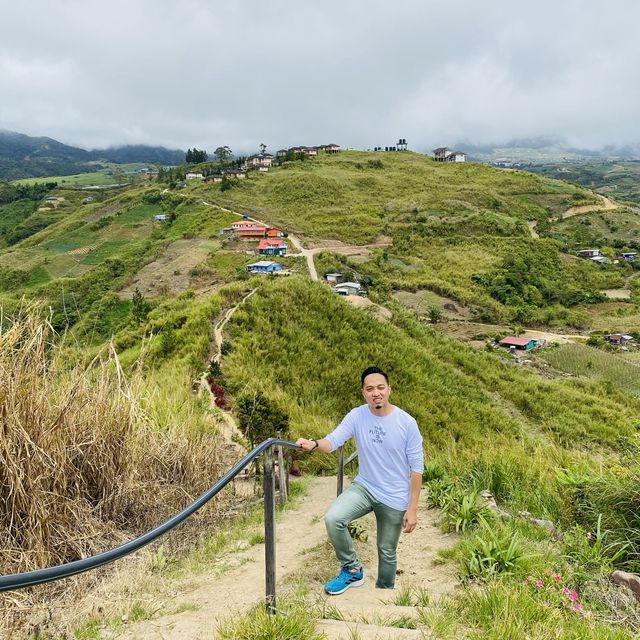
554 433
616 178
23 156
458 230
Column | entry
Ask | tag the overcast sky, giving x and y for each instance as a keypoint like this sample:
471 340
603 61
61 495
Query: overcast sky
359 73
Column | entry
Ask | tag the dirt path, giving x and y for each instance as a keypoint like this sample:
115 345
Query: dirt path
532 228
230 429
217 331
605 206
299 532
465 330
617 294
308 255
381 313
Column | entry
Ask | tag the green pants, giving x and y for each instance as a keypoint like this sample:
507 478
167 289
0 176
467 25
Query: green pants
354 503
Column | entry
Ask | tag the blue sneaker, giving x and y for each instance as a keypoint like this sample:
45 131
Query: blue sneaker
345 579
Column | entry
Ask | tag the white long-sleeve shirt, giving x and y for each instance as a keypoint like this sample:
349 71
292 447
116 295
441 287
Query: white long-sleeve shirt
389 449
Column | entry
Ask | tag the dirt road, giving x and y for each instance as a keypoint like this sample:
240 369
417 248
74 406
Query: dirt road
605 206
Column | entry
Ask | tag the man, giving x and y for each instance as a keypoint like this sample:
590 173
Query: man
390 461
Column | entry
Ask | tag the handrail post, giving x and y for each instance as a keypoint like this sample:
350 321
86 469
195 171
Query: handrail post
340 473
269 531
287 466
281 473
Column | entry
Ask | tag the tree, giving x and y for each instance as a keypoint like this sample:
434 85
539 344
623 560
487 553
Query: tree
139 307
263 147
223 154
261 418
195 156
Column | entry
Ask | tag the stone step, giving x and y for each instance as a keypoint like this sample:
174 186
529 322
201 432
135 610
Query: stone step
341 630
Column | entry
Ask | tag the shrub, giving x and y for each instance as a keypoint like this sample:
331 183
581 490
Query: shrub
590 551
488 554
465 510
260 417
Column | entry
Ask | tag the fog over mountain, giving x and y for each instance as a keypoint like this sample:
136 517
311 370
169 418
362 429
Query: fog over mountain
23 156
360 74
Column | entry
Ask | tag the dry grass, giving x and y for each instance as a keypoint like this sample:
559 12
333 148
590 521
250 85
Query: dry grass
82 465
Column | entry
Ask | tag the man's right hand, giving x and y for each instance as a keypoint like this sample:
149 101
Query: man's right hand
306 445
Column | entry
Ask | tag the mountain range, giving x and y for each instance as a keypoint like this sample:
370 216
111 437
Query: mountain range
23 156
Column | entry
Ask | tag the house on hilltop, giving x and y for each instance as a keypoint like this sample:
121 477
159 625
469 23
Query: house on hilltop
444 154
329 148
194 174
264 160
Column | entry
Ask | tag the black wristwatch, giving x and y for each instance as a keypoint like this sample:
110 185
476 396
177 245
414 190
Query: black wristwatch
315 443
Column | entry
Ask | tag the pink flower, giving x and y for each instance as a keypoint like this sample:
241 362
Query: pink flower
557 578
577 605
538 583
566 591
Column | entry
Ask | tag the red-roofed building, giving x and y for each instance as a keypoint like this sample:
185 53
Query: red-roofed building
272 247
518 343
249 229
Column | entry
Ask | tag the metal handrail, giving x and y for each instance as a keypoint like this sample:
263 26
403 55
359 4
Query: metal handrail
342 463
40 576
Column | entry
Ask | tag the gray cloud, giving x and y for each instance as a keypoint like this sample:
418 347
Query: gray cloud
358 73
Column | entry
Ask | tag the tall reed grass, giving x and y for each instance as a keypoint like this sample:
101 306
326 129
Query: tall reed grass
87 459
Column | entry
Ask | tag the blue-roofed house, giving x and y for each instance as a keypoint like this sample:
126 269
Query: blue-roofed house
264 266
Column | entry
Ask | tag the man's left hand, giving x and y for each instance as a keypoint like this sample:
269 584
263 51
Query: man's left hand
409 521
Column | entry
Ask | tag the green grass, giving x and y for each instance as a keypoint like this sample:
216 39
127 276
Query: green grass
601 228
139 212
344 197
293 621
107 249
583 360
37 277
98 178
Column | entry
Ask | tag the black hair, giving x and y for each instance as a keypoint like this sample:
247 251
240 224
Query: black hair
369 370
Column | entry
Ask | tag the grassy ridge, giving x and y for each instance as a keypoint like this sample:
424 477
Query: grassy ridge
455 229
356 195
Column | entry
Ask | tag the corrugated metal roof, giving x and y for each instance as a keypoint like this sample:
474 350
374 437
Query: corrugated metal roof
518 342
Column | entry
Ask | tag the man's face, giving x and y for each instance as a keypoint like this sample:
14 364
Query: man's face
376 390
